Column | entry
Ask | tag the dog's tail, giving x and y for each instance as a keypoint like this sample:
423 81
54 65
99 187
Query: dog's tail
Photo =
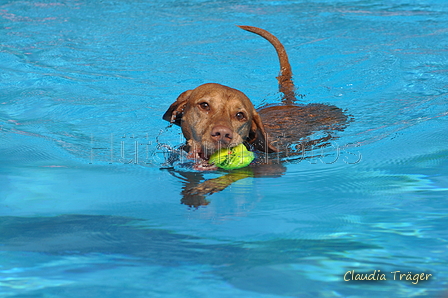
285 83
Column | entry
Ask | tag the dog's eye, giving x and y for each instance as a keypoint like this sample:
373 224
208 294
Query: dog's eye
205 106
240 116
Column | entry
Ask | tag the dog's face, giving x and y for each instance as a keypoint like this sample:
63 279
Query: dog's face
214 116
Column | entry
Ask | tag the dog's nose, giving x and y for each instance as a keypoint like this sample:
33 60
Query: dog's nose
222 133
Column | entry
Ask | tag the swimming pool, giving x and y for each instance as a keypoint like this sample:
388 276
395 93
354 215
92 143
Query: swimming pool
87 211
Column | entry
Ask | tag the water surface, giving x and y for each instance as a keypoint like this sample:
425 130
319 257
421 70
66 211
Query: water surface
86 211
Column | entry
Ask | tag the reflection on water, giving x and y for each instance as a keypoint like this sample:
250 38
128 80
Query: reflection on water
131 242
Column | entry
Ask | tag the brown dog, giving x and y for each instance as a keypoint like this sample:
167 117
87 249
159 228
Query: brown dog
214 116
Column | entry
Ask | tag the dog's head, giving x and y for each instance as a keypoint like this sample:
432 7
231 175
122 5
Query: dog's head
214 116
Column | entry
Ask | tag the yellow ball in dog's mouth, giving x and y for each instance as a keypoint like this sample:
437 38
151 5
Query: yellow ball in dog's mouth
232 158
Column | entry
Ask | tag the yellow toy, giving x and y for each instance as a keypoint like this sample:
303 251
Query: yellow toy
232 158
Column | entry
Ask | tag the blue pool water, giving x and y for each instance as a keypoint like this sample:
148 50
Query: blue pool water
87 211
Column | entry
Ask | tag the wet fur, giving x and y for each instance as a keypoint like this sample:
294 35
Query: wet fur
269 129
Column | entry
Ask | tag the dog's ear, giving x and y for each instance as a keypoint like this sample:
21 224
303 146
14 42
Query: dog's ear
175 111
258 137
